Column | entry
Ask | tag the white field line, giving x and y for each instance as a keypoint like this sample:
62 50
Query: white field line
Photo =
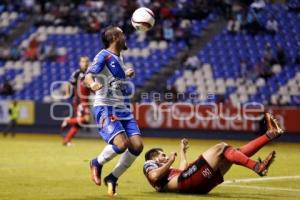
263 188
248 180
230 183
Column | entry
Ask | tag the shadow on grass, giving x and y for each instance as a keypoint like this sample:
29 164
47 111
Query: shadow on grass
216 195
99 197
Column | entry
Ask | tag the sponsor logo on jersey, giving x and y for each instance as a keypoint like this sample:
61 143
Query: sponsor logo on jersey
110 128
113 64
207 173
190 171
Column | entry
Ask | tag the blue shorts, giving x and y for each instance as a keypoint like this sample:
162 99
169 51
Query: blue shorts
111 121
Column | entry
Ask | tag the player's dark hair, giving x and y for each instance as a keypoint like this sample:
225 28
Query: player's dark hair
149 155
108 35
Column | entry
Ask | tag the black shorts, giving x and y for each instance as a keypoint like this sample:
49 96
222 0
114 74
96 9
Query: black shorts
199 178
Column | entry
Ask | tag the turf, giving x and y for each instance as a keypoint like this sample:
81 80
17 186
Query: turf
39 167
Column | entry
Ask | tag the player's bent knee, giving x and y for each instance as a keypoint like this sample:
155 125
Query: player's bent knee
223 144
136 150
122 145
220 148
117 149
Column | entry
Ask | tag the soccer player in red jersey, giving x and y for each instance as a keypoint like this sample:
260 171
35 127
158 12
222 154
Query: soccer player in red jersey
77 89
208 170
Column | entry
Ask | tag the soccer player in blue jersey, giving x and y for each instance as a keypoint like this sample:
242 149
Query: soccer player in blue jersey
106 77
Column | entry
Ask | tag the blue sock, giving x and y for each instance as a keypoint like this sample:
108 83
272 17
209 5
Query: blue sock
111 177
117 149
134 152
95 163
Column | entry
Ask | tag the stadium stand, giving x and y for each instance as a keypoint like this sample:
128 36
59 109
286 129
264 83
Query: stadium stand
9 21
223 75
50 53
231 63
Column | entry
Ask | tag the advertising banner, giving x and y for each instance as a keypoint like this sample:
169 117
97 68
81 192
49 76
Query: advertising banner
213 116
26 112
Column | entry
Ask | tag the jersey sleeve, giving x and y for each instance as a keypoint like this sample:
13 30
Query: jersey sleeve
73 78
149 166
97 65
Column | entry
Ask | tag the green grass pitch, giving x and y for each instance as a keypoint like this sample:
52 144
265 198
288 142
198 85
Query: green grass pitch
39 167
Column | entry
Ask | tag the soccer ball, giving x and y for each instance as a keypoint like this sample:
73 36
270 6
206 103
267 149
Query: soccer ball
142 19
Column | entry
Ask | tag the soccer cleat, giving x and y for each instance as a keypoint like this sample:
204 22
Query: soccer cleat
264 165
96 169
274 130
111 183
67 143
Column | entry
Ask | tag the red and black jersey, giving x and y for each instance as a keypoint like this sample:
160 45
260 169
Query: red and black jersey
75 76
158 185
83 110
80 91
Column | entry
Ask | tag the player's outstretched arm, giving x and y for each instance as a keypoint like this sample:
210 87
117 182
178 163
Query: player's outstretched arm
91 83
183 148
156 174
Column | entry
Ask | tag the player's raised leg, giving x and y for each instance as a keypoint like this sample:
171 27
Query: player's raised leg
214 156
273 131
237 157
221 156
241 155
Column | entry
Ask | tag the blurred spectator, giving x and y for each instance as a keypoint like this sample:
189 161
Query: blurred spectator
144 3
93 24
254 26
182 32
92 15
258 5
4 53
245 68
268 55
31 53
192 63
236 20
251 14
61 55
48 51
28 5
263 69
293 5
272 25
233 26
280 55
15 53
6 89
168 31
14 113
297 60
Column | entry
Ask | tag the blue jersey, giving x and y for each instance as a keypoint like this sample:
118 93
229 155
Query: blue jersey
109 70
